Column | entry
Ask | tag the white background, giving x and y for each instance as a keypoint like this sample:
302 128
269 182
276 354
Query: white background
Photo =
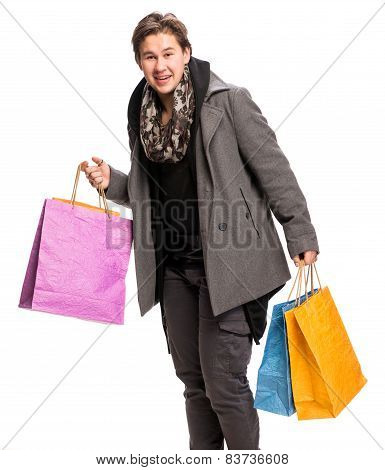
67 73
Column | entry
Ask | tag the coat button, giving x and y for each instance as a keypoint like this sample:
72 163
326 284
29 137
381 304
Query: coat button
222 226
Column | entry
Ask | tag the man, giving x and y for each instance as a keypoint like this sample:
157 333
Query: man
201 146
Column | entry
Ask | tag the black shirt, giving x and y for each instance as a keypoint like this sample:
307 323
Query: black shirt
176 211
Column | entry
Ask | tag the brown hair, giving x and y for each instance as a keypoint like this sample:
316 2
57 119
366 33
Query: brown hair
155 23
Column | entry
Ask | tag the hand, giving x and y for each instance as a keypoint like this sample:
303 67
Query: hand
97 174
309 257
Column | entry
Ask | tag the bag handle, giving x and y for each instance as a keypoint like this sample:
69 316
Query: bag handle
100 191
302 275
300 271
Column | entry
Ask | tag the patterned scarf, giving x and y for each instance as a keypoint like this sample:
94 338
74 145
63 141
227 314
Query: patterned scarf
169 142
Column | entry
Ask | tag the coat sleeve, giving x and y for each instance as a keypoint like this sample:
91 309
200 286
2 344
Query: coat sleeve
117 189
260 151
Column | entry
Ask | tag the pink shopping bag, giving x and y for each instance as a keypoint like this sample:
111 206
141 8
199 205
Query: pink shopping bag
79 261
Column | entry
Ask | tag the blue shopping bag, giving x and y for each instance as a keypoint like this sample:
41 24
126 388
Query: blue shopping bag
274 392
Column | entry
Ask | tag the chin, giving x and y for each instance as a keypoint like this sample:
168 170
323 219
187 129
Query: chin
164 90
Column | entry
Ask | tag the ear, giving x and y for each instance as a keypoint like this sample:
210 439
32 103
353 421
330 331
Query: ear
139 61
187 55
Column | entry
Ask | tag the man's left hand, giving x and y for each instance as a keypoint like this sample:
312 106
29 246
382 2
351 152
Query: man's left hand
308 256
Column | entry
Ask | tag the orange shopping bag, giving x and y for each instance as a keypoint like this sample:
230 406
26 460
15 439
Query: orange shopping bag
325 371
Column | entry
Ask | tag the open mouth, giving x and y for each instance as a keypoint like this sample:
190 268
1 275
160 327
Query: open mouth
162 80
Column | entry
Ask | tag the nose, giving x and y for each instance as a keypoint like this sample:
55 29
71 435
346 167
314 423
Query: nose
160 67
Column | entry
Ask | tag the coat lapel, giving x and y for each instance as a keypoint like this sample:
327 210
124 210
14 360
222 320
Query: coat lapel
210 118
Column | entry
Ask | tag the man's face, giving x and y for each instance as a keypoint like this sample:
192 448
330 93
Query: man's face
162 56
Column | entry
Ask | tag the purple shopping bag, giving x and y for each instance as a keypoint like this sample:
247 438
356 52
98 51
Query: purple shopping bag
78 262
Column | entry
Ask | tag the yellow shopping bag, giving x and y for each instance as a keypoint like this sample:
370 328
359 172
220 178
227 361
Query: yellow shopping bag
325 372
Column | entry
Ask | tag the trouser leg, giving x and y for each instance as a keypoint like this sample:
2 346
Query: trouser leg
181 308
225 346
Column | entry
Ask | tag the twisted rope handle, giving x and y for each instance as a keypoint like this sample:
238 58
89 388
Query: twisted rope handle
300 271
100 191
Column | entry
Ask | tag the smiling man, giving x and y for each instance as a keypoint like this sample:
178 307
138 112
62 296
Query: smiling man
206 176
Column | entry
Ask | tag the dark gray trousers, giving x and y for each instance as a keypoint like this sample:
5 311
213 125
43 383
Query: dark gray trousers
210 356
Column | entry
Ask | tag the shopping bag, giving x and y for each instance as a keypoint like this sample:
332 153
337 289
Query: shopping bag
274 391
79 260
325 372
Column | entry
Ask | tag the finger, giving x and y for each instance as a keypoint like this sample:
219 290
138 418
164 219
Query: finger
97 160
310 257
93 171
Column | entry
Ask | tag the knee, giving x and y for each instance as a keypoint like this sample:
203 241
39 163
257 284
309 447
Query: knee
193 380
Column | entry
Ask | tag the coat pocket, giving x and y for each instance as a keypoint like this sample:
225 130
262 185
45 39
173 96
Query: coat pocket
249 212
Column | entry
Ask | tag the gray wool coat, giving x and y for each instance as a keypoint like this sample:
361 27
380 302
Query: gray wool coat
243 177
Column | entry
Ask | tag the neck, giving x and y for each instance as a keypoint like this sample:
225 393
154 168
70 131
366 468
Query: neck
167 102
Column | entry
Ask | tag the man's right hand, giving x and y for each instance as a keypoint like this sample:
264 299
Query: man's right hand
97 174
